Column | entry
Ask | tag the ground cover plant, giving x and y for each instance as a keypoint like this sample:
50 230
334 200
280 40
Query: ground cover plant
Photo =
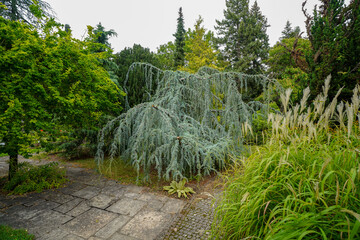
188 127
30 178
8 233
304 183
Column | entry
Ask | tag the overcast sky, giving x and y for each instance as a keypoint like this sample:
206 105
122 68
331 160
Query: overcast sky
153 22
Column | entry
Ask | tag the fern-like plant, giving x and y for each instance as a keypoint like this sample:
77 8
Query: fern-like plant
179 188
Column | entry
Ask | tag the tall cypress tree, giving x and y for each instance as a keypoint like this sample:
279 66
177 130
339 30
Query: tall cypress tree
180 41
243 35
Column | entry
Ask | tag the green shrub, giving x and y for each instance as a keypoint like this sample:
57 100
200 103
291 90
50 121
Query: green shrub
304 183
8 233
31 178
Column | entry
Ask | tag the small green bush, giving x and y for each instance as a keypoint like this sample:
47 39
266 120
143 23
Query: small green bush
8 233
31 178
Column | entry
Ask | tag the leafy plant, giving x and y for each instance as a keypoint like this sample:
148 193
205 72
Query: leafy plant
8 233
179 188
31 178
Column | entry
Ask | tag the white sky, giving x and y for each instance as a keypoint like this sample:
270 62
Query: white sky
153 22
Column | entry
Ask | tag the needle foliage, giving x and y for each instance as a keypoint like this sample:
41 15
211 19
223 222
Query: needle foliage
189 126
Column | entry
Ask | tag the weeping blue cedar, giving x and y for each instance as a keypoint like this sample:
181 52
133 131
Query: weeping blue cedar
190 124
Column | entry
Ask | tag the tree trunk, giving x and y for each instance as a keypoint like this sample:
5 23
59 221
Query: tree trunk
13 165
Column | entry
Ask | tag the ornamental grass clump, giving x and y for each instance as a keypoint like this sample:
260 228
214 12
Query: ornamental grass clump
189 125
304 183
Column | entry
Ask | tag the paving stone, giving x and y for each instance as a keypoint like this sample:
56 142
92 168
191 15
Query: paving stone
12 201
112 227
116 191
194 224
133 189
101 201
173 206
119 236
79 209
72 187
154 204
26 213
87 193
56 234
72 237
51 217
58 197
66 207
34 202
97 181
147 196
132 195
89 222
95 238
127 206
147 225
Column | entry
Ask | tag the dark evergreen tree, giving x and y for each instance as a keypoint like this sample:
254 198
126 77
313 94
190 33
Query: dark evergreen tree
67 28
258 45
101 36
334 33
242 34
137 90
290 32
28 11
180 41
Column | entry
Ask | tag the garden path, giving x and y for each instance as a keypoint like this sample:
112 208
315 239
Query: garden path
90 207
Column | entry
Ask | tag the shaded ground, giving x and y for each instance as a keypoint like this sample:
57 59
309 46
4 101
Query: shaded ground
95 208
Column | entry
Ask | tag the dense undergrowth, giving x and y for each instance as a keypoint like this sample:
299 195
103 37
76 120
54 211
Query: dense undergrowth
31 178
304 182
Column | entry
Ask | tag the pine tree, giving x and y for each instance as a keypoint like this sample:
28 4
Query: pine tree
290 32
243 35
180 41
258 45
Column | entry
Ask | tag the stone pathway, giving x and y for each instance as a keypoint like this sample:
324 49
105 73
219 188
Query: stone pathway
91 207
195 221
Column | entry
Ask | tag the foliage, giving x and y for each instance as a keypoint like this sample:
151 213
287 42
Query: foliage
243 35
334 34
288 65
136 87
305 182
166 56
185 128
31 178
47 80
179 188
290 32
8 233
28 11
179 54
200 49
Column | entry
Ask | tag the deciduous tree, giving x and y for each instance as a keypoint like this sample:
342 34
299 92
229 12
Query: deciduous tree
48 80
